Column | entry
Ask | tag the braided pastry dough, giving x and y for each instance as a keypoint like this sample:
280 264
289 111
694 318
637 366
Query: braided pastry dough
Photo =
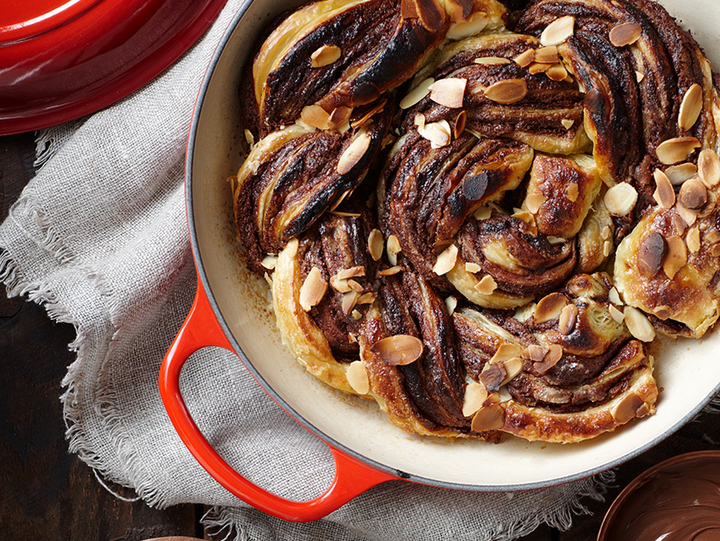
480 219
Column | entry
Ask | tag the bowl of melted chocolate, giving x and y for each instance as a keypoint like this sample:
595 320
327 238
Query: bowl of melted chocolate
678 499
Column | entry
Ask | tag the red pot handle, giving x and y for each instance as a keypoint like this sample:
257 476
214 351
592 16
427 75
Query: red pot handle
201 329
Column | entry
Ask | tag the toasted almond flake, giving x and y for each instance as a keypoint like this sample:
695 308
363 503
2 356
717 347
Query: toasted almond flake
438 133
572 192
325 55
446 260
349 300
366 298
268 280
616 314
651 254
690 107
606 232
493 398
459 125
449 92
526 58
390 271
607 247
419 120
679 224
552 357
558 31
475 396
400 349
492 60
483 213
566 321
663 312
357 377
664 192
353 153
638 324
416 94
534 201
472 267
537 67
340 115
352 338
392 247
620 199
709 167
688 216
614 296
639 76
313 289
709 207
486 286
535 353
470 27
355 286
525 216
547 55
451 303
627 408
513 368
693 240
504 352
269 262
352 272
693 194
315 116
625 34
356 315
713 236
567 123
339 200
249 137
507 91
549 307
376 244
715 251
676 256
676 150
491 417
677 174
557 72
555 240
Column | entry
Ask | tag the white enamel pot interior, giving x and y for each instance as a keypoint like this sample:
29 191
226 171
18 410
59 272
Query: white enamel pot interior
688 372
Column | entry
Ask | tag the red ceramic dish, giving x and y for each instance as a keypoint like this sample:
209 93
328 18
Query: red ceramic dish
62 59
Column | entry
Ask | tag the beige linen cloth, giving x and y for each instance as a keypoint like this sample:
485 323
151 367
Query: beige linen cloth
99 237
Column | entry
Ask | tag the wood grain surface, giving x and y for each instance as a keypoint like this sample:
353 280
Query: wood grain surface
46 493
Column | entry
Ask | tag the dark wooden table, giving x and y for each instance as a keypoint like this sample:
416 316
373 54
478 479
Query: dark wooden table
49 494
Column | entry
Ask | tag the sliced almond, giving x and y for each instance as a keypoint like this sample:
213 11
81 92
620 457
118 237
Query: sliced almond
482 213
639 325
449 92
249 137
475 396
325 55
712 236
535 352
341 286
438 133
353 153
689 216
269 262
715 251
625 34
400 349
606 232
390 271
366 298
539 67
639 76
492 60
547 55
676 150
451 303
693 194
608 247
663 312
620 199
677 174
651 254
567 319
557 72
491 417
526 58
419 120
690 107
664 192
676 256
355 286
459 125
555 240
349 300
534 201
513 368
472 268
552 357
446 260
376 244
558 31
567 123
357 377
486 286
572 192
313 289
709 167
616 314
504 352
614 296
693 240
392 247
352 272
431 15
507 91
416 94
549 307
627 408
315 116
679 224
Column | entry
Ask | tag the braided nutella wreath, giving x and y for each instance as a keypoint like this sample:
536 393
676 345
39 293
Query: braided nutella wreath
479 218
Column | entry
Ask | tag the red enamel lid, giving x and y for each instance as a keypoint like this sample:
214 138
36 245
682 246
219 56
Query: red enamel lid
62 59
